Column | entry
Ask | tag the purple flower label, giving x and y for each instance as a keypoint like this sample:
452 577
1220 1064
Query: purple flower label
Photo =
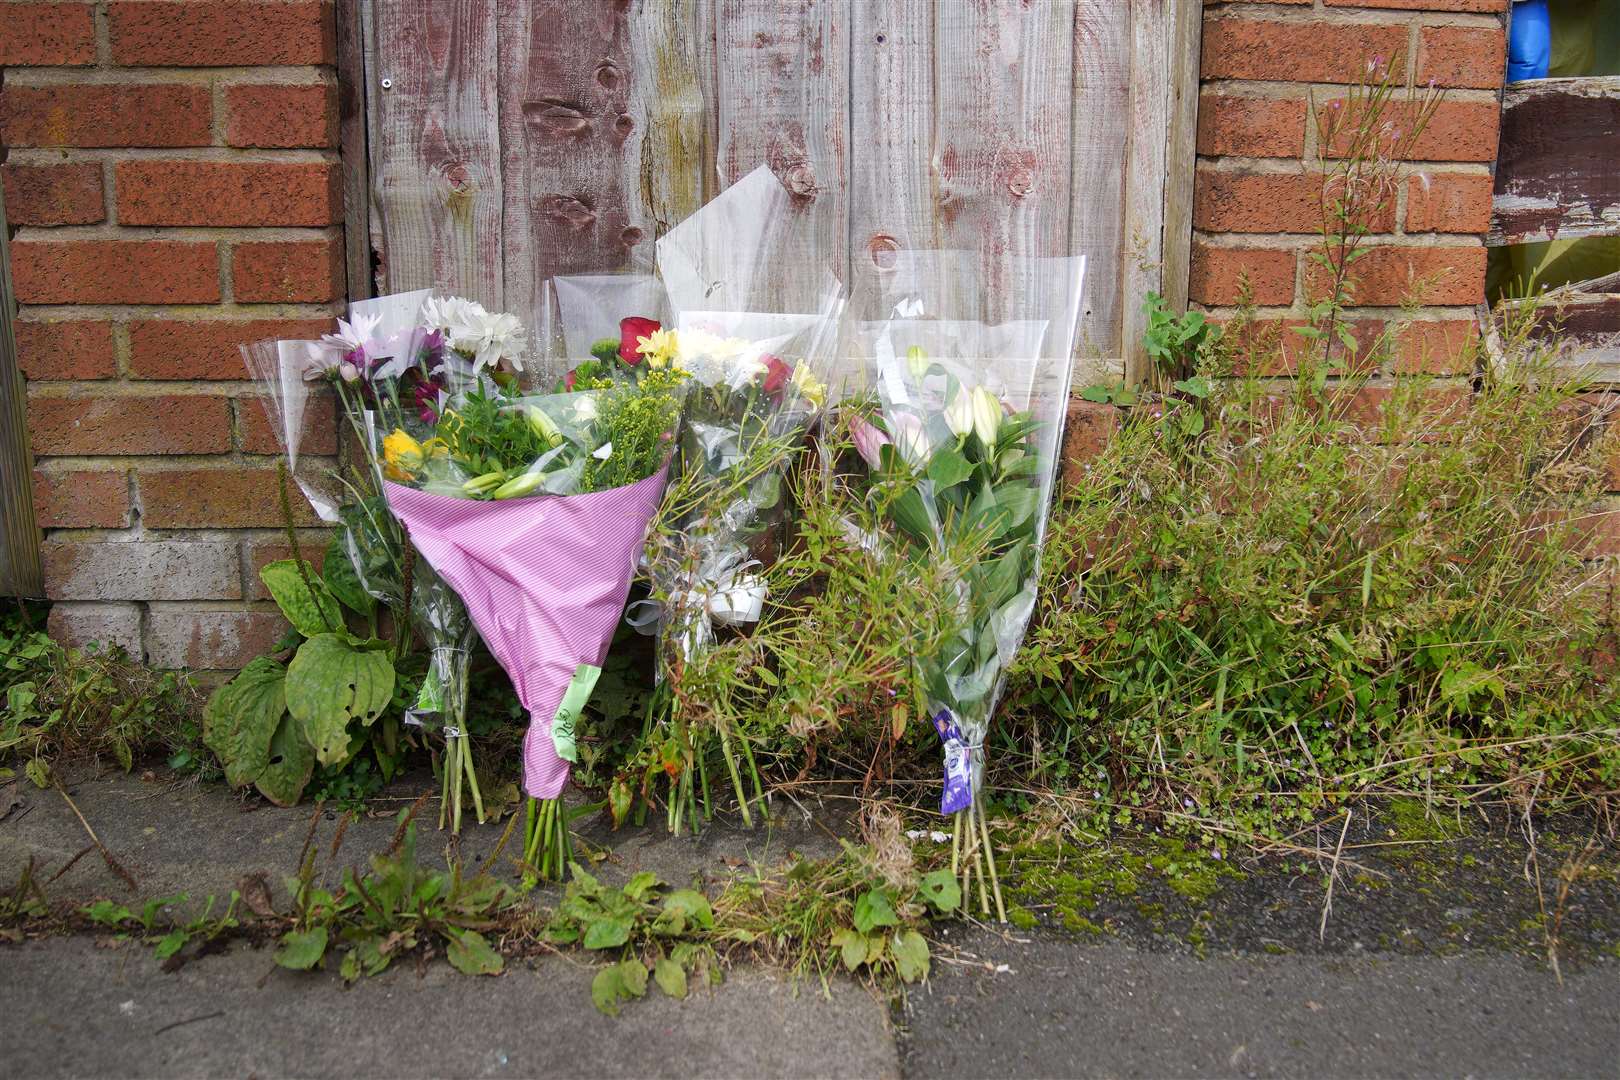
958 765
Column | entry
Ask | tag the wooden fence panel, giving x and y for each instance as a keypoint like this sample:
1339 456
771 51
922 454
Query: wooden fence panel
530 137
1556 174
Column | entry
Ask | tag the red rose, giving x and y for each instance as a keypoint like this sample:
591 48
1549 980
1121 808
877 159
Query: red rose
777 374
630 330
568 379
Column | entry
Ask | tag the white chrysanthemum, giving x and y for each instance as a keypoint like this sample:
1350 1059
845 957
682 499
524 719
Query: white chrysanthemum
473 331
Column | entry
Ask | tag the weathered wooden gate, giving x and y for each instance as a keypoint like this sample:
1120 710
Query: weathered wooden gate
510 139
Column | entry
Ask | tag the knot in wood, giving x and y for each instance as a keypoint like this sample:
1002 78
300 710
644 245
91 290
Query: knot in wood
1020 182
801 181
568 210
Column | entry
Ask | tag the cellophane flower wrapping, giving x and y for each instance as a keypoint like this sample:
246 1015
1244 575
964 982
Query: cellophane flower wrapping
964 451
583 315
757 334
534 509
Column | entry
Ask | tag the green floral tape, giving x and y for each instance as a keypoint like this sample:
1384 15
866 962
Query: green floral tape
573 703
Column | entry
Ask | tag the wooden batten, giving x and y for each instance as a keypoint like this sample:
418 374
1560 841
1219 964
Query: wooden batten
1556 174
20 573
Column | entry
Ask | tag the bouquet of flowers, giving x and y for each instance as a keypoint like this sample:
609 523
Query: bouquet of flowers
756 351
394 358
962 451
534 509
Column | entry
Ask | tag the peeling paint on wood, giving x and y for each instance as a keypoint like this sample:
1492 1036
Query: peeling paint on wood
1556 173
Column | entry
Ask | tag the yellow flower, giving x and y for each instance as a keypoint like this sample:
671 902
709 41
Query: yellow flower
659 348
403 456
809 387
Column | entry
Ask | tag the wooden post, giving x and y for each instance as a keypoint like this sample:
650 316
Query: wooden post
19 536
351 76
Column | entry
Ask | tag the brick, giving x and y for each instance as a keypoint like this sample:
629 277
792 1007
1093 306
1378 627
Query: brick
1244 202
256 554
78 626
45 35
218 33
1366 406
229 193
1455 131
49 271
141 570
1272 347
1425 5
131 114
1216 273
1392 274
1090 426
169 424
1268 49
278 115
1462 56
65 349
81 499
1436 347
180 637
206 348
320 433
53 194
291 271
1449 203
1229 124
219 498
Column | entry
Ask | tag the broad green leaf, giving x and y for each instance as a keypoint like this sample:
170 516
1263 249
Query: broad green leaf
470 954
242 718
301 950
1197 387
633 976
606 990
670 976
607 932
1006 575
337 571
691 905
169 944
851 947
911 515
38 771
1100 393
910 955
288 767
330 683
107 913
941 890
949 467
312 610
641 884
873 909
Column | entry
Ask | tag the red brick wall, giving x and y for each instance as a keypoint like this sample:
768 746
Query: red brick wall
1256 206
173 183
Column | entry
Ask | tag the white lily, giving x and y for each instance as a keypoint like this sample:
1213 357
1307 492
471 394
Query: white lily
959 414
986 415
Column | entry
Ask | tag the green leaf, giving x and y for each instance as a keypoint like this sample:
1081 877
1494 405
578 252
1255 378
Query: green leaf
851 946
948 467
169 944
910 955
1100 393
641 884
1197 387
312 610
330 683
470 954
608 932
633 977
337 571
288 767
301 950
606 990
941 891
671 977
874 909
242 717
911 515
107 913
1006 575
691 905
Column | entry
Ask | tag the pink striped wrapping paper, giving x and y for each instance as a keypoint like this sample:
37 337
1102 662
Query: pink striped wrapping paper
545 580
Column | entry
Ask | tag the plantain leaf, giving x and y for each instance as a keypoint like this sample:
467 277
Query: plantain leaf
302 949
910 955
242 718
331 682
312 610
288 767
670 976
337 571
470 954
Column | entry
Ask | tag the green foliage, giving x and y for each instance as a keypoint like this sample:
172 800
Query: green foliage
391 910
652 930
157 925
1172 341
60 705
271 723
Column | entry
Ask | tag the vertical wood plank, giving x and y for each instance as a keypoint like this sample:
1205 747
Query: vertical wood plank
435 163
566 73
891 157
1181 150
1003 77
351 88
19 536
782 95
666 153
1102 80
1144 172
